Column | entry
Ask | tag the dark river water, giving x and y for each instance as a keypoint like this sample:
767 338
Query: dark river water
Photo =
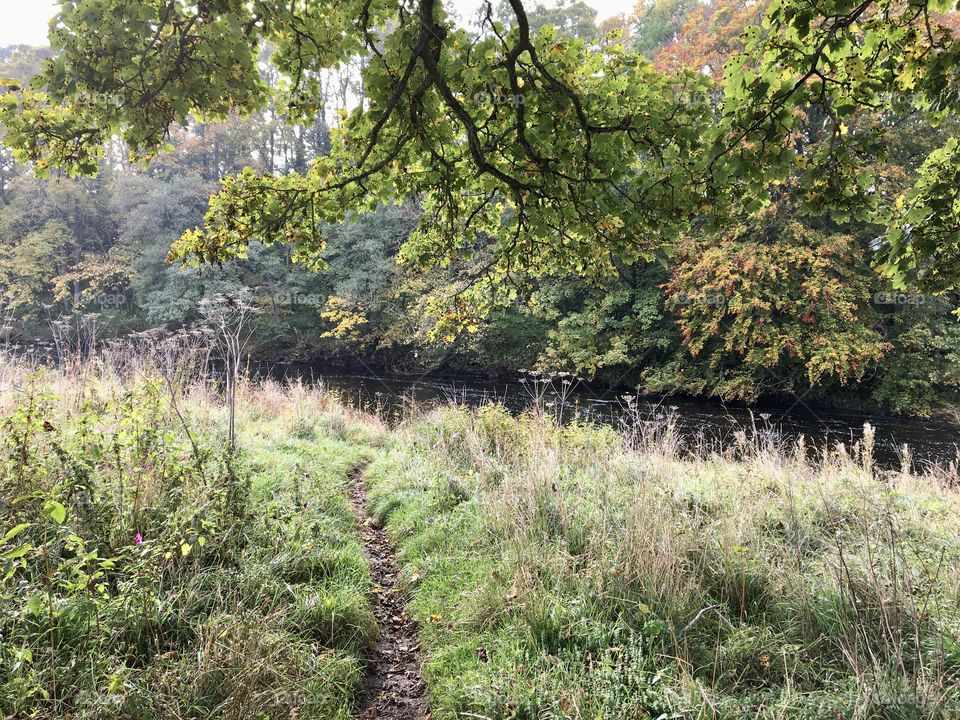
701 423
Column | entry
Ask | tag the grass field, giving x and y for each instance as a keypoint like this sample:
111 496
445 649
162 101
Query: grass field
149 571
557 573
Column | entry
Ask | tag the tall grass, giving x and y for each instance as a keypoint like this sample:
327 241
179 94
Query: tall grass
150 571
556 570
575 572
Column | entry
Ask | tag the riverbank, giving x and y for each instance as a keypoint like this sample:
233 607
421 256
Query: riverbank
561 571
830 403
838 401
703 425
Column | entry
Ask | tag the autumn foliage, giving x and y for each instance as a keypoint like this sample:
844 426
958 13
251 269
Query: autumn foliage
773 297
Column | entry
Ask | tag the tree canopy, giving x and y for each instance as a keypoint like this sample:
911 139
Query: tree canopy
548 152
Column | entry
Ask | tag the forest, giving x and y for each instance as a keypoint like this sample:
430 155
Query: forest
721 311
713 210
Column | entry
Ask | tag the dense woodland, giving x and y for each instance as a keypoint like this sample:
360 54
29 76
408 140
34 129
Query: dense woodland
764 305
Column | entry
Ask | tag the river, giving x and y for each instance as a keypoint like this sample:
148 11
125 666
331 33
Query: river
701 423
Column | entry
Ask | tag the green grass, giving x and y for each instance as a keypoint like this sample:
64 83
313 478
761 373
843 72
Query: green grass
249 596
558 574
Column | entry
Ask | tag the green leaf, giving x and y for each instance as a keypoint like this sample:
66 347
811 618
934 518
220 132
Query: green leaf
18 552
14 531
55 511
35 604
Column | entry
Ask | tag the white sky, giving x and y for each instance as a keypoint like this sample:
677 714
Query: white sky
25 21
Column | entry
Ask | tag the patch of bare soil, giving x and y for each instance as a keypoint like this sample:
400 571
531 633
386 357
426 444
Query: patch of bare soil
394 685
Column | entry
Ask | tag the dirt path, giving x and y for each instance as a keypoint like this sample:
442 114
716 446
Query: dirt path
394 685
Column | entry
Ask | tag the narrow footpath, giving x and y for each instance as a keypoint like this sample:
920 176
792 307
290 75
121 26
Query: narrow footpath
394 688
